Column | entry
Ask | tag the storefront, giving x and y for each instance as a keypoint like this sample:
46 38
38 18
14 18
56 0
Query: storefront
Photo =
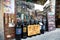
23 19
57 14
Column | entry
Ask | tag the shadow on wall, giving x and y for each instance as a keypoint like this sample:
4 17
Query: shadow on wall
1 36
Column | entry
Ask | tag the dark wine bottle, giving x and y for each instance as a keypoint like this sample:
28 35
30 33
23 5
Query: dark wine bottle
24 29
28 28
32 21
42 28
44 24
35 22
18 31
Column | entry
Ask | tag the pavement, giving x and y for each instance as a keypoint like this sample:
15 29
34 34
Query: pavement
52 35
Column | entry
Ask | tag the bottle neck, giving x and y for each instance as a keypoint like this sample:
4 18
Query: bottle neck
18 24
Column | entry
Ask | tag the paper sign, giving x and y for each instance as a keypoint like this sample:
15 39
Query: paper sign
9 6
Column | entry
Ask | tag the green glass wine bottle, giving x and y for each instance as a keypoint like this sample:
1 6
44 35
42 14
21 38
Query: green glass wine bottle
28 0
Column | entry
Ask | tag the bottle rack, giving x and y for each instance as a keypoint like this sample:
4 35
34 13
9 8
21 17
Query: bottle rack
9 26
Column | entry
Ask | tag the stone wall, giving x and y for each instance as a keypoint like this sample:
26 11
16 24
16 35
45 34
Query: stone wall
1 22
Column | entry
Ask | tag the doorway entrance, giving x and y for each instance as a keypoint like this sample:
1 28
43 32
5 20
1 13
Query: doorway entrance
58 13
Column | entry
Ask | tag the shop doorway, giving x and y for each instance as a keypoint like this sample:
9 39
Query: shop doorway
57 13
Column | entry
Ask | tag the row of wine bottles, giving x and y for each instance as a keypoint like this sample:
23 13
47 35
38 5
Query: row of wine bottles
23 28
27 29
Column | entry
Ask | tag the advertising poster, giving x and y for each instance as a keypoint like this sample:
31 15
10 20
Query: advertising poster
51 22
9 18
9 6
51 16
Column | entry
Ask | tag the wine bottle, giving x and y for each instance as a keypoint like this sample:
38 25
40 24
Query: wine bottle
28 0
6 18
25 29
37 27
44 22
35 22
18 31
42 30
32 22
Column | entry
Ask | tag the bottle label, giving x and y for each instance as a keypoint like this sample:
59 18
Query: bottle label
33 30
6 20
11 25
24 29
18 30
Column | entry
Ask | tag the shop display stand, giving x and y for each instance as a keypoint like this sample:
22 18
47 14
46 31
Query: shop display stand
9 18
9 32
